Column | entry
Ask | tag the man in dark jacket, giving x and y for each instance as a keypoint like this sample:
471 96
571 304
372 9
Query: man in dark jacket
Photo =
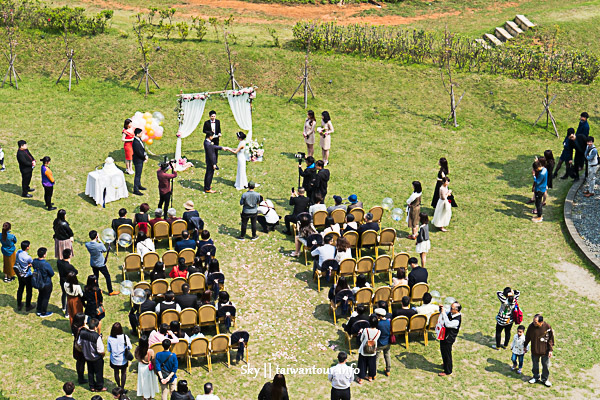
93 352
369 225
213 125
139 158
300 203
122 220
26 165
210 152
322 179
361 315
417 274
451 321
541 336
137 309
309 175
64 266
43 268
164 185
186 300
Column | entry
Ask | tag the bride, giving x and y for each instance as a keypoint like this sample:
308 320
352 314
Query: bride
241 181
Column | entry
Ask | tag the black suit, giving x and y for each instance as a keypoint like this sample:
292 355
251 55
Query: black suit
417 275
139 156
322 180
300 204
348 327
309 181
120 221
210 151
369 226
137 309
25 160
207 128
187 301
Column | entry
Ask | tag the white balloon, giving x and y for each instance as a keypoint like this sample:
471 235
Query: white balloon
125 240
397 214
138 114
139 296
157 115
108 235
387 203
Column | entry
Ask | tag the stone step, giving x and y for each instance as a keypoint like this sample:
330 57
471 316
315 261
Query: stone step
492 39
482 43
523 22
512 28
502 34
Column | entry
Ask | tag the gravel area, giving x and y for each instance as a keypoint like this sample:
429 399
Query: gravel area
586 218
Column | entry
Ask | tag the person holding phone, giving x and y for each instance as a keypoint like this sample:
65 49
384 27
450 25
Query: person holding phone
300 203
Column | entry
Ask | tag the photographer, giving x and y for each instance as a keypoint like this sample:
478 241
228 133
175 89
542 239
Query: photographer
322 179
300 203
504 320
309 183
164 184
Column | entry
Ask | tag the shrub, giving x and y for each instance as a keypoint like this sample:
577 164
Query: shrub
200 26
184 30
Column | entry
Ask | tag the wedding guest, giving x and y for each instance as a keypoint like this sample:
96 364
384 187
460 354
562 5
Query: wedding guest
213 126
350 224
583 131
566 156
195 225
179 270
423 243
591 155
68 388
400 278
305 229
92 301
325 131
74 295
147 384
330 226
122 220
47 182
309 133
9 252
338 205
23 270
443 209
139 158
550 163
63 235
267 216
26 166
249 203
164 184
64 266
166 369
300 203
341 377
172 216
117 344
354 203
76 326
96 248
158 272
343 250
276 390
451 321
158 216
205 239
414 209
142 216
127 139
45 271
367 360
92 347
144 244
208 393
185 242
442 173
182 392
318 205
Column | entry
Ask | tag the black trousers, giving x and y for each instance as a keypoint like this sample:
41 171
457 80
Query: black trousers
96 373
216 141
367 366
506 329
262 220
539 200
48 191
137 180
245 218
43 299
208 177
164 200
24 283
26 180
289 219
446 350
340 394
106 274
63 296
133 321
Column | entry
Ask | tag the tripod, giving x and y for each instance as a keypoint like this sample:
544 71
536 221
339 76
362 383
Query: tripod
304 80
72 67
234 83
11 72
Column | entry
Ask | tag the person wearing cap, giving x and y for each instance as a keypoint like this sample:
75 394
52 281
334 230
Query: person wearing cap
195 224
26 166
591 155
383 343
249 203
164 184
368 225
47 182
354 203
338 205
341 377
300 203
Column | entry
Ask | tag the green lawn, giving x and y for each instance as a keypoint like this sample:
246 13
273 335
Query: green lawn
388 133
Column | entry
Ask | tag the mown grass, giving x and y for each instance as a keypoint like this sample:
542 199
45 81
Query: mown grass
388 133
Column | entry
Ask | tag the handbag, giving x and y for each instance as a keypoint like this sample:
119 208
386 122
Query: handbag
440 330
452 201
127 354
99 307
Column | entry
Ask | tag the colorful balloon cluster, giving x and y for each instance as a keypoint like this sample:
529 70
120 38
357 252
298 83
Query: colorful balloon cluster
150 124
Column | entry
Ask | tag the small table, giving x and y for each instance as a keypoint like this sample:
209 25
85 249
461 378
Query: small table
110 179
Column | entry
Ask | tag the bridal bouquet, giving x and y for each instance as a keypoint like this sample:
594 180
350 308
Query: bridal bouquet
256 150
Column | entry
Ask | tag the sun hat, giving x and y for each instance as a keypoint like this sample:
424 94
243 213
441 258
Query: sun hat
188 205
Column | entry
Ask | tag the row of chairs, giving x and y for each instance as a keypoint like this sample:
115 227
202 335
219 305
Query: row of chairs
203 347
339 215
367 297
160 231
135 263
206 315
159 287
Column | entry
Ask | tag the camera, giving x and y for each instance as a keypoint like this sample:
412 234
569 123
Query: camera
300 156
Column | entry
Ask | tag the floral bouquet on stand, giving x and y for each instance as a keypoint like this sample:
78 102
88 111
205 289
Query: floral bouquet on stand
256 150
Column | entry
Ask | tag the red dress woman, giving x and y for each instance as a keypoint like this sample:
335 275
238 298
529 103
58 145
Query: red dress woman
128 145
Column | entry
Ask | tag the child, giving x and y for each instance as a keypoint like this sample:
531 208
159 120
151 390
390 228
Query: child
518 349
2 160
196 332
423 243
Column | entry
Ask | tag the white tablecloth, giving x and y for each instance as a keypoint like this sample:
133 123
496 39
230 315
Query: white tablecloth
112 180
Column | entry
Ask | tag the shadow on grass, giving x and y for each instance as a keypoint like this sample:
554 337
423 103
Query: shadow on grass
6 300
304 277
224 181
516 206
226 230
515 172
35 203
87 198
192 184
60 324
11 188
478 338
322 313
417 361
501 367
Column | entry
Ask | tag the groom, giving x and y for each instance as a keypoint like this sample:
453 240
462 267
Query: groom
210 152
213 125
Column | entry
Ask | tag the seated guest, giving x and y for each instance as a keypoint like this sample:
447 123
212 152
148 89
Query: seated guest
142 216
175 327
405 311
206 298
179 270
427 308
213 267
384 306
196 332
172 216
158 272
338 205
122 220
350 224
182 392
318 206
305 229
267 216
343 250
205 239
323 253
223 300
185 242
195 225
196 267
400 278
361 282
354 203
300 203
186 300
163 332
167 304
137 309
144 244
417 274
369 225
342 284
330 226
361 314
158 216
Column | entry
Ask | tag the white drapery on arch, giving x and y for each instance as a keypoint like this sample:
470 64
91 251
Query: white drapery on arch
192 108
241 107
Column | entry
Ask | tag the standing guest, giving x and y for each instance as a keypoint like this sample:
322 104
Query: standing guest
325 131
338 205
300 203
367 360
92 301
23 270
322 179
518 349
142 216
451 321
68 388
383 343
139 158
208 393
92 347
267 216
417 274
504 319
127 139
276 390
583 131
343 250
584 127
96 248
144 244
213 126
550 163
74 293
182 392
591 155
249 203
47 183
172 216
341 377
414 209
423 243
63 235
443 209
309 176
540 179
567 153
318 204
9 251
185 242
354 203
64 266
122 220
45 271
26 166
164 184
210 155
117 344
2 168
166 369
158 216
309 132
147 385
442 173
541 336
76 327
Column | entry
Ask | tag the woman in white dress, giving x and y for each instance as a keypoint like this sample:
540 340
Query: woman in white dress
443 209
241 181
147 385
325 131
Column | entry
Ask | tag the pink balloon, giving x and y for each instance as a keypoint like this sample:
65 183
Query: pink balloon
157 135
160 130
144 137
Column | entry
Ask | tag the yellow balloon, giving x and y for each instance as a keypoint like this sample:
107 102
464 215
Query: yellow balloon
157 137
150 141
147 115
150 133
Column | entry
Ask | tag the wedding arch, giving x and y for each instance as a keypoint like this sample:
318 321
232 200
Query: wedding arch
191 108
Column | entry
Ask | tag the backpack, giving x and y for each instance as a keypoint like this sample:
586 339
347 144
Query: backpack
517 314
371 346
36 279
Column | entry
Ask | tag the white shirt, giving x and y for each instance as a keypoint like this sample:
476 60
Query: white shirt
207 397
413 197
341 376
75 292
213 125
333 228
145 247
427 309
342 255
518 344
317 207
267 209
325 252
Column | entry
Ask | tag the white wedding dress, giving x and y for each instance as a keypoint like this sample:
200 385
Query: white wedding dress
241 181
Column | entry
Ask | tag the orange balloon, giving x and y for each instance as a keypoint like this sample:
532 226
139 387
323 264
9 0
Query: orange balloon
150 133
150 141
